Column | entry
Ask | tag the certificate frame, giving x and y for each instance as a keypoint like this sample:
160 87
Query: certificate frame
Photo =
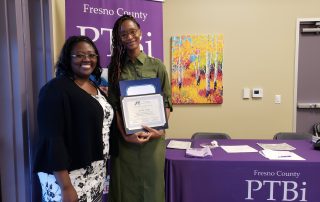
147 109
140 86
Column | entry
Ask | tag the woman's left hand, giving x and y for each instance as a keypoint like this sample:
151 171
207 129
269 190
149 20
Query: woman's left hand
154 134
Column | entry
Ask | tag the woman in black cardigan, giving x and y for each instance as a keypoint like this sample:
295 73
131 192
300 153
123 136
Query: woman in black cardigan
74 120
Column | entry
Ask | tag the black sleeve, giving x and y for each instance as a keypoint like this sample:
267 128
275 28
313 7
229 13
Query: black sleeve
52 154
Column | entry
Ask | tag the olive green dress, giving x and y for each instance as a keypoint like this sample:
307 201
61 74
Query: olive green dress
137 173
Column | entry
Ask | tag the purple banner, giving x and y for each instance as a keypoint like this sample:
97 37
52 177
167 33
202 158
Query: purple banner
95 19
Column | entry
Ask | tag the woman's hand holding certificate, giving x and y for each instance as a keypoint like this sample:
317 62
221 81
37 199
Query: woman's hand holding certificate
138 137
142 110
154 134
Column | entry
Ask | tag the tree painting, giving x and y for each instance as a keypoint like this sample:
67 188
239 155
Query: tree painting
197 62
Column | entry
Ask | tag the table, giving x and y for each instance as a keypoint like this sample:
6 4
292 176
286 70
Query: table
239 177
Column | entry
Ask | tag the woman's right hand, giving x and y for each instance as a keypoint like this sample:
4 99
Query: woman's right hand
138 137
69 194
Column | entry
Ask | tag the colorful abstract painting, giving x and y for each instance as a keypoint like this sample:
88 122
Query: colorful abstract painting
196 68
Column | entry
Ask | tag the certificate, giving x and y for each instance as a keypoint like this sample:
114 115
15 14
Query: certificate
147 110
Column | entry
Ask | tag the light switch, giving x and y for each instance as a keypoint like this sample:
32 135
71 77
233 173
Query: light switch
246 93
277 99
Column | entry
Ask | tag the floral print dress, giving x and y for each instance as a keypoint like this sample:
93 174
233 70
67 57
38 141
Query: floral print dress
89 181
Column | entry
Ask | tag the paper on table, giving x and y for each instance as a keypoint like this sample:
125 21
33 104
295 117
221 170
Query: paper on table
211 145
280 155
278 147
238 149
176 144
198 152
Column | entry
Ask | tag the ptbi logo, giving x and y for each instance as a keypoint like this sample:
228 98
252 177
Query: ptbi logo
290 190
105 32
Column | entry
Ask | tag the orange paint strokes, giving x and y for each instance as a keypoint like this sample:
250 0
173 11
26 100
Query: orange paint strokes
192 57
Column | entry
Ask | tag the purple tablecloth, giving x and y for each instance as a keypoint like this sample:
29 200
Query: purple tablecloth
238 177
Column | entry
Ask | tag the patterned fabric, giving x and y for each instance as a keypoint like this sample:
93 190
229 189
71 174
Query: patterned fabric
89 181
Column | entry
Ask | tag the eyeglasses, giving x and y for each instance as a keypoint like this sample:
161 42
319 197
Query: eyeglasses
132 32
91 56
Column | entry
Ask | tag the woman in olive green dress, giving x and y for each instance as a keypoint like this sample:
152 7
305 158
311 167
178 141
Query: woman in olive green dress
137 173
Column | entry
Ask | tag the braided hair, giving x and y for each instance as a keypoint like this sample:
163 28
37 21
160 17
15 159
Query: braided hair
64 62
119 51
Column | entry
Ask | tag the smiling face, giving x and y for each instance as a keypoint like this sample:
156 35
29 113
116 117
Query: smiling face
130 35
83 60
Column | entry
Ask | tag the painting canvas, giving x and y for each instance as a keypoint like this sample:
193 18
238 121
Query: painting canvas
196 67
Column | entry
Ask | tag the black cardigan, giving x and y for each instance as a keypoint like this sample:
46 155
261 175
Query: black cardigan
70 127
